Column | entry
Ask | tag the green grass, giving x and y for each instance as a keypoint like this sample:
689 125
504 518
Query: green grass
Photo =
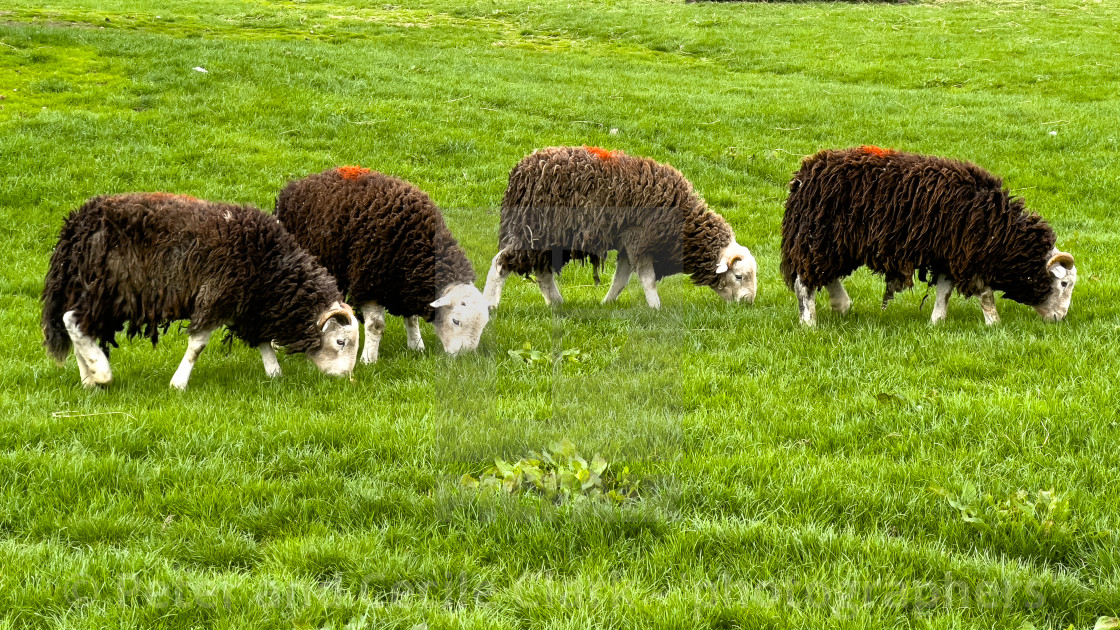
786 473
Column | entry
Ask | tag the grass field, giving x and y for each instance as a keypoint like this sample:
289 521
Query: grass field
872 472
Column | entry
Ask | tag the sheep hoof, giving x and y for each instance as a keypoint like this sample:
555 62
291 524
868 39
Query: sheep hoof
94 379
93 382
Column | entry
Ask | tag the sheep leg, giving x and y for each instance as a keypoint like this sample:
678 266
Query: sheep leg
806 302
988 305
838 297
941 302
83 369
495 280
268 356
893 285
546 280
196 343
648 278
93 365
374 315
412 329
622 274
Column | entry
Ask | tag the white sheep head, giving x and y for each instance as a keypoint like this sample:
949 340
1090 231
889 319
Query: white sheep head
338 333
738 274
1063 275
461 315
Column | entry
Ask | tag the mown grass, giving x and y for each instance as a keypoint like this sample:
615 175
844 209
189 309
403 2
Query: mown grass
786 473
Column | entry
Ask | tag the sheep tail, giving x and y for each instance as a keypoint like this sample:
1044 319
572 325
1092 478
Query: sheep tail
59 277
786 268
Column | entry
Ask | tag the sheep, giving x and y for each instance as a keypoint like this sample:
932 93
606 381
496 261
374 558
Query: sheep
149 259
897 213
387 244
578 203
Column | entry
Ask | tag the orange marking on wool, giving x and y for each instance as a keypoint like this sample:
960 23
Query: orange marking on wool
601 153
351 172
164 196
876 151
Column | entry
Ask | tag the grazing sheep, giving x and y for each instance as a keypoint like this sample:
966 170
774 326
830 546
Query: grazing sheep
897 213
571 203
151 259
386 243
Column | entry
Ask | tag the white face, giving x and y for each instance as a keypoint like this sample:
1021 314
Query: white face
461 315
1063 275
339 350
738 275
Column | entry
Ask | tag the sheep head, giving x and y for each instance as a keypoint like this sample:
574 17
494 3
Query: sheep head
461 315
338 333
738 274
1063 275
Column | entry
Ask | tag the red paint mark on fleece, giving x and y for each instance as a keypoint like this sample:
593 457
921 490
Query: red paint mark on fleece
602 154
166 196
876 151
352 172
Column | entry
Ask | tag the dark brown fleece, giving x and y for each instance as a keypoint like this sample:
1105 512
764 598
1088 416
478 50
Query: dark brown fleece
898 213
382 238
578 203
151 259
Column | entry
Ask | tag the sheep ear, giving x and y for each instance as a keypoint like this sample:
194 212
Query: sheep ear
722 268
443 301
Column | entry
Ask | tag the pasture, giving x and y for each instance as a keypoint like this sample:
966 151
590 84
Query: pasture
871 472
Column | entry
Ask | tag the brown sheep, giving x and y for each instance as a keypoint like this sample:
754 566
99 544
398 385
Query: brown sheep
900 213
151 259
572 203
387 245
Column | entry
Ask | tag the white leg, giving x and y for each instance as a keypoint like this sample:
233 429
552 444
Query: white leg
374 315
195 345
546 280
988 305
648 279
495 280
622 274
838 297
268 355
941 302
83 369
93 365
412 329
806 302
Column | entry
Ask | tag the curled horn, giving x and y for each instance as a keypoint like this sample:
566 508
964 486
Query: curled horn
726 263
1061 258
341 309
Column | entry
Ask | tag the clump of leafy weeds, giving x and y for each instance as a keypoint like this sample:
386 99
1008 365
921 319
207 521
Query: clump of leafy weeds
1034 524
558 473
528 356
